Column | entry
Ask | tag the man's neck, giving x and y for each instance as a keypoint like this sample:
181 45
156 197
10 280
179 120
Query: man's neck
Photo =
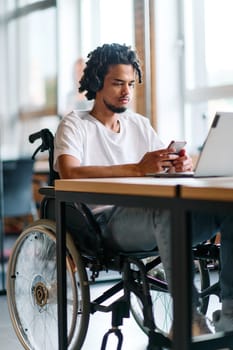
109 119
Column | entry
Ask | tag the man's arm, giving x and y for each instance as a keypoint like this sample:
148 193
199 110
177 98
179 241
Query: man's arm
152 162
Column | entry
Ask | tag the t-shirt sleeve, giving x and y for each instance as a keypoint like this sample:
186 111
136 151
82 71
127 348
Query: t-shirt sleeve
68 139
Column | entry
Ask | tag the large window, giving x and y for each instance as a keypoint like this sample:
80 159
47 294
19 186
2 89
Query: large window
29 67
194 70
42 43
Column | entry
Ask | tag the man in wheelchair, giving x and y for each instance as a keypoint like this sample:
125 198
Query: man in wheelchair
112 141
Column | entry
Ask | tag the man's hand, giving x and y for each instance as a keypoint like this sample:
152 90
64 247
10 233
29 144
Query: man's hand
182 163
157 161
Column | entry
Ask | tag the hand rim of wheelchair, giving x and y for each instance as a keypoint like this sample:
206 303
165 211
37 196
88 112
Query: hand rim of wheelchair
38 241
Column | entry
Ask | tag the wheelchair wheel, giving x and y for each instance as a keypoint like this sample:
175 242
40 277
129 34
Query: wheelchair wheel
161 301
32 289
162 305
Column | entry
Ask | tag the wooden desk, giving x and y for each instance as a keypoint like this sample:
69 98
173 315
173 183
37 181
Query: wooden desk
211 189
174 194
141 192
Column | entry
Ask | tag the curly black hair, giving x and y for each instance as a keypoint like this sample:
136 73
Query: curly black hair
98 63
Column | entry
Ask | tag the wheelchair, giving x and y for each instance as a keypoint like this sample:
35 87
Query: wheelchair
32 278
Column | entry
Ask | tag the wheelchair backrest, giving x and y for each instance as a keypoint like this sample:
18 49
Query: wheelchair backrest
90 240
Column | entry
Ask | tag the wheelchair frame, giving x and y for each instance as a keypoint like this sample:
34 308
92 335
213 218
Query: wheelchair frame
141 276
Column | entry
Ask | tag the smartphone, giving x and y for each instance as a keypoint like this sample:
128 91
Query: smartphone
178 145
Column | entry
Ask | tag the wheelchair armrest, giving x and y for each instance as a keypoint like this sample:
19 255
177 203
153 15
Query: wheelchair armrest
47 191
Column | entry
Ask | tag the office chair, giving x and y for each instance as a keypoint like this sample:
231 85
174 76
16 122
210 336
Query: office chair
17 188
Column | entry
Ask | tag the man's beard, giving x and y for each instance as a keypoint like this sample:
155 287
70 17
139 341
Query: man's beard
115 109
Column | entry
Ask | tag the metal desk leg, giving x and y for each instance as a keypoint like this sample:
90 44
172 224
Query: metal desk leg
181 279
61 275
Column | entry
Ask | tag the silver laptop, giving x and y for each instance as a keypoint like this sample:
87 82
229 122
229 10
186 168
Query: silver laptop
216 157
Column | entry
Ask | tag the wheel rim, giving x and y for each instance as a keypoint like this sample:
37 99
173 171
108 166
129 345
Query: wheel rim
32 286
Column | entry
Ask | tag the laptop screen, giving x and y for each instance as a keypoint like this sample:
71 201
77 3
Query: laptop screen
216 157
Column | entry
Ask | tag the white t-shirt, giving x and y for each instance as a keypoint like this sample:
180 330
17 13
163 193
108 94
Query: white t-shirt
84 137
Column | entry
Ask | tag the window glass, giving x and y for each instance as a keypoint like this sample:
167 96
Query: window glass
28 84
69 52
167 75
208 57
37 63
11 54
208 36
218 39
108 21
116 25
2 8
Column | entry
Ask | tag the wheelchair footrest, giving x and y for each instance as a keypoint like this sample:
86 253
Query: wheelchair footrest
117 333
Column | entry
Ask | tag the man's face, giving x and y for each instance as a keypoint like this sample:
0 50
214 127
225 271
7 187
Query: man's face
118 87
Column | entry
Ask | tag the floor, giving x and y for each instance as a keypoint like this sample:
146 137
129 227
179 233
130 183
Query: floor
134 338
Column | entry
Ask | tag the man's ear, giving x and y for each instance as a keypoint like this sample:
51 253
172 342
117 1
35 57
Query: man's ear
95 84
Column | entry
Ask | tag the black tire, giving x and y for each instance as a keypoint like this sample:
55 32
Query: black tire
32 289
